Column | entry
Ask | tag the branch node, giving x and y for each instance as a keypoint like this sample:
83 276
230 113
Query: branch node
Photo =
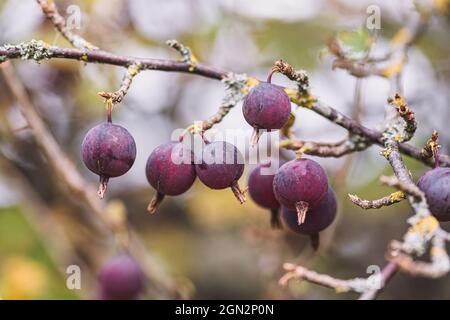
186 53
401 130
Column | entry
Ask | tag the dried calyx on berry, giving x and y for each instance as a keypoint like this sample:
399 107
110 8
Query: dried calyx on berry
267 107
316 221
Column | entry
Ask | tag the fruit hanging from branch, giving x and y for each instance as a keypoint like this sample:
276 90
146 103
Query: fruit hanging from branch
260 188
300 185
436 186
108 150
266 107
170 170
318 219
220 167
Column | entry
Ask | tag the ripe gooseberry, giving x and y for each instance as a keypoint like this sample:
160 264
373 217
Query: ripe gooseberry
260 188
266 107
436 186
317 219
221 165
300 185
170 171
120 278
108 150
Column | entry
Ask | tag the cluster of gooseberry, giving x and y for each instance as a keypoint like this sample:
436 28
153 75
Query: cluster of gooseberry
109 150
299 189
300 186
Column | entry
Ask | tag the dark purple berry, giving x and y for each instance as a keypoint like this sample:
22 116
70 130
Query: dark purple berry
316 220
120 278
170 171
300 185
260 187
221 166
266 107
108 150
436 186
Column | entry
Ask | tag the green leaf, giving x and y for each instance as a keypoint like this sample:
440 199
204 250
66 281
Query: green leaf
355 43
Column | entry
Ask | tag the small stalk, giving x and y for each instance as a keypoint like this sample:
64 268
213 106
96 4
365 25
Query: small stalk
436 157
269 76
238 193
315 241
255 137
109 107
275 221
102 186
155 202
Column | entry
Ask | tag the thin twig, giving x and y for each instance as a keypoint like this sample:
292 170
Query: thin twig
324 149
356 284
51 11
388 200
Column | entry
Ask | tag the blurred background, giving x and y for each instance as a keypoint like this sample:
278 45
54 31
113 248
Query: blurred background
205 241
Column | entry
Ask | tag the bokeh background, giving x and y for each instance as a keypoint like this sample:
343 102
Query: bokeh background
212 246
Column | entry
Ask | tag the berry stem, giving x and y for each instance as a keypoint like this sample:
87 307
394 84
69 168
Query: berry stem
436 157
205 140
239 194
275 221
315 241
102 186
155 202
255 137
301 208
269 76
109 107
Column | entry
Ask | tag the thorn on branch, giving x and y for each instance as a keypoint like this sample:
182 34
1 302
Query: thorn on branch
186 53
299 76
388 200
